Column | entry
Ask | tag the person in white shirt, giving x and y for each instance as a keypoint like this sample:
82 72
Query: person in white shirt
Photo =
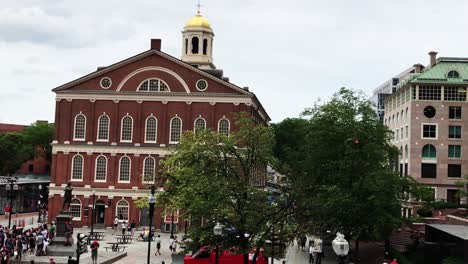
124 227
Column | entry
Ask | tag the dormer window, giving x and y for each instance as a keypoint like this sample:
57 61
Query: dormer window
453 74
153 85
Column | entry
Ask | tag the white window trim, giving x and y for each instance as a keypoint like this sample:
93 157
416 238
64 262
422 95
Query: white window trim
168 88
435 192
74 128
170 130
146 129
154 176
99 125
229 125
81 210
73 166
129 170
121 129
437 131
95 168
117 211
110 80
196 85
195 122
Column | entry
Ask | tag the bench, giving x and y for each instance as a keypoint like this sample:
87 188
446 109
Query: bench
116 249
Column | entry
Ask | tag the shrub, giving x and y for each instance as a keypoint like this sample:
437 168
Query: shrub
443 205
424 212
452 260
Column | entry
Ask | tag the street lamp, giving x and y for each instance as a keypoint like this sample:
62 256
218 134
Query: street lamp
152 202
218 232
341 247
11 187
39 204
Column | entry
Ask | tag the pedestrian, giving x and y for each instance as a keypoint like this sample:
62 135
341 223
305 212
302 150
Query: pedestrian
52 261
32 244
311 253
24 242
174 244
129 228
394 261
7 210
133 227
19 247
94 251
318 251
116 223
124 227
158 245
51 232
39 244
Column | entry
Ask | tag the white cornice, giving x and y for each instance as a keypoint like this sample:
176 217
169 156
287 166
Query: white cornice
111 193
113 150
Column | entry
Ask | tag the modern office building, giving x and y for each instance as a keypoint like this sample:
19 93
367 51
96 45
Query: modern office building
427 113
114 126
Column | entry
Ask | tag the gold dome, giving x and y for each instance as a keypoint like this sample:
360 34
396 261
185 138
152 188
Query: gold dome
198 21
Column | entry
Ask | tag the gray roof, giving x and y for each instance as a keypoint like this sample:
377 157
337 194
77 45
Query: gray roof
460 231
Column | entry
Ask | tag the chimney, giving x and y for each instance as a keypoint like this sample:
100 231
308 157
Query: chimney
433 56
418 68
156 44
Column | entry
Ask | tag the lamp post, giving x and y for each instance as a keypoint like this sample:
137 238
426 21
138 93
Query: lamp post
39 204
341 247
11 187
218 232
152 202
92 213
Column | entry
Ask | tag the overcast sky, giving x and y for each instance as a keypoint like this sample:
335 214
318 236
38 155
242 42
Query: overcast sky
290 53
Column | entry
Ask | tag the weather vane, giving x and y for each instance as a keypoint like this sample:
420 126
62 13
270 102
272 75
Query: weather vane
199 7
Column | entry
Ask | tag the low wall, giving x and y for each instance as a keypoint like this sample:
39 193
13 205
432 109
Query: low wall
455 220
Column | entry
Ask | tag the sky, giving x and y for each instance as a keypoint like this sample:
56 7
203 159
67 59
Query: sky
290 53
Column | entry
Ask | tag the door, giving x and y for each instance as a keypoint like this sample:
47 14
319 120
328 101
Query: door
144 217
100 212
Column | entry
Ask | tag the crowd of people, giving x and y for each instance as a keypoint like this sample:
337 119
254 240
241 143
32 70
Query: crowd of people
17 242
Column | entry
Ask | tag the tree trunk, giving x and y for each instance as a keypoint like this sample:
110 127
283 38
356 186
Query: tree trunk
356 250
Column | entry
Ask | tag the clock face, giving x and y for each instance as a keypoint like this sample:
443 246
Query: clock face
202 85
106 82
429 111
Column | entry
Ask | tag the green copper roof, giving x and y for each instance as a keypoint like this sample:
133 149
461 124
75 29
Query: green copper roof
438 73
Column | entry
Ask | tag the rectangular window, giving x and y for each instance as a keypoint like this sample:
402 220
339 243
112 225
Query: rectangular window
455 132
454 151
428 170
429 131
454 170
397 134
454 94
455 112
406 132
401 134
413 92
429 92
452 196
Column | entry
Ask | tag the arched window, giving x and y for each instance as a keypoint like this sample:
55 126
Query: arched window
101 169
195 43
75 208
149 169
80 127
429 151
186 46
406 114
126 129
397 115
103 128
153 85
77 168
124 169
122 210
175 130
401 116
406 151
151 129
199 125
223 126
401 152
453 74
205 46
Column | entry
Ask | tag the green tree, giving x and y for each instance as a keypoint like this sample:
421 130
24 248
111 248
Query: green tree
336 159
213 178
40 135
13 152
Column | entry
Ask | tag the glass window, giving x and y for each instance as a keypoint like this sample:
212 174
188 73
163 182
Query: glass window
153 85
429 92
429 111
454 151
457 93
122 210
455 112
151 129
101 168
454 170
453 196
406 132
455 132
429 151
77 167
223 127
75 208
453 74
149 169
80 127
103 128
200 125
175 130
406 151
429 131
127 129
428 170
397 134
124 169
401 134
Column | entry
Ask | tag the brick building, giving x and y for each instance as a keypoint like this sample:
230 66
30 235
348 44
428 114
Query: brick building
114 125
427 113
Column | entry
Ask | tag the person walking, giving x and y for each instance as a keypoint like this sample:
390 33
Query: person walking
133 227
124 228
318 251
311 252
32 245
19 247
158 245
94 251
39 244
116 224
